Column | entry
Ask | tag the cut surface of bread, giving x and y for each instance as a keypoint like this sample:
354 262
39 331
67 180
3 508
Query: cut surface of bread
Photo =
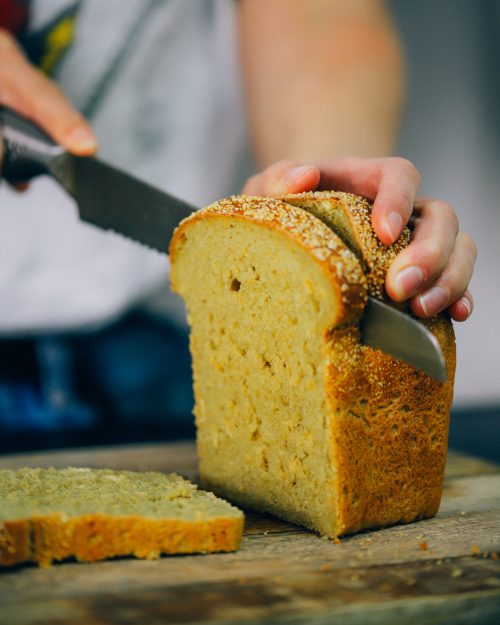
294 415
93 514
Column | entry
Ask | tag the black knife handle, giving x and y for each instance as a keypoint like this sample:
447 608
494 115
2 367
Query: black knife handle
27 151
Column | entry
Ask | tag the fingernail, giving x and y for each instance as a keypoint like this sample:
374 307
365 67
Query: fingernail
82 139
433 300
295 174
394 225
466 304
408 281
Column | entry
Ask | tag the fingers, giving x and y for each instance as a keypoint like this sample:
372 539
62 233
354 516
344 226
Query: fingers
393 204
426 257
450 289
283 177
462 308
435 269
27 91
391 183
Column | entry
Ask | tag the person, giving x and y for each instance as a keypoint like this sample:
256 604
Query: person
320 81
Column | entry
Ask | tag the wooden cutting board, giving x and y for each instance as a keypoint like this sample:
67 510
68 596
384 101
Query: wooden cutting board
441 570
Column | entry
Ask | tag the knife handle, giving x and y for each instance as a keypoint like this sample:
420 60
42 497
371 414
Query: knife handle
27 151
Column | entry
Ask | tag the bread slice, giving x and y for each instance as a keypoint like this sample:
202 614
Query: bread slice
93 514
350 217
294 415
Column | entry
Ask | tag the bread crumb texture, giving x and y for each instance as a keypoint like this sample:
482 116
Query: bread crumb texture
93 514
294 415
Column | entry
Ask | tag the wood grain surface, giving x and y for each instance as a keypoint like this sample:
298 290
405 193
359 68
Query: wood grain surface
441 570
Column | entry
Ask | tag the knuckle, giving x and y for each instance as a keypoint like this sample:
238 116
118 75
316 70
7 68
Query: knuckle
408 167
283 164
269 177
443 206
456 283
456 278
251 184
277 169
448 212
432 257
469 243
272 175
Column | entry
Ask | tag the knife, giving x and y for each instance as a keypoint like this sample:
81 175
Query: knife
114 200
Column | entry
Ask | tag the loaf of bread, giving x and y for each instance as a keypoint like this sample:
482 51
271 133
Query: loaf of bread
93 514
294 415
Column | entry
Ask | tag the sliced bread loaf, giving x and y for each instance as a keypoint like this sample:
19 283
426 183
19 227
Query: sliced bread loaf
294 415
93 514
350 217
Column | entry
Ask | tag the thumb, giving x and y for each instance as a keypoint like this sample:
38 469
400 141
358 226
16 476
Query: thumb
283 177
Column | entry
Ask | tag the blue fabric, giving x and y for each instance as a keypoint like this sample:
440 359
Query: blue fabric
134 372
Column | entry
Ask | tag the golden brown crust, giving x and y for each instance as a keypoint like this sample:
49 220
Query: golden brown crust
389 422
330 207
327 249
93 514
390 426
15 542
95 537
389 431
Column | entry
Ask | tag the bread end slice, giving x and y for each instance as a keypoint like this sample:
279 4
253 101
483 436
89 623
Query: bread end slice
91 514
301 230
350 217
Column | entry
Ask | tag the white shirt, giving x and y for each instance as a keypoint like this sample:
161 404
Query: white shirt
171 113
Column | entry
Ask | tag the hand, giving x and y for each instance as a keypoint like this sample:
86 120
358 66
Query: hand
26 90
433 272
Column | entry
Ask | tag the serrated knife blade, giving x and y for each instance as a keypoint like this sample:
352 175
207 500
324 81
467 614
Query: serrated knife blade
114 200
143 213
404 337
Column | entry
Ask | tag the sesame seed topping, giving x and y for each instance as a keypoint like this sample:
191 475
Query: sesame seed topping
340 210
310 233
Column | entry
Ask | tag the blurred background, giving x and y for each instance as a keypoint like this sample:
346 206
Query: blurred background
451 131
130 354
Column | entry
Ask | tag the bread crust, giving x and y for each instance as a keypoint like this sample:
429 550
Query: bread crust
15 542
389 431
332 207
388 424
94 537
326 248
92 514
391 440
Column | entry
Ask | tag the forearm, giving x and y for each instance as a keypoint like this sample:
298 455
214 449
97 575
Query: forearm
322 79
